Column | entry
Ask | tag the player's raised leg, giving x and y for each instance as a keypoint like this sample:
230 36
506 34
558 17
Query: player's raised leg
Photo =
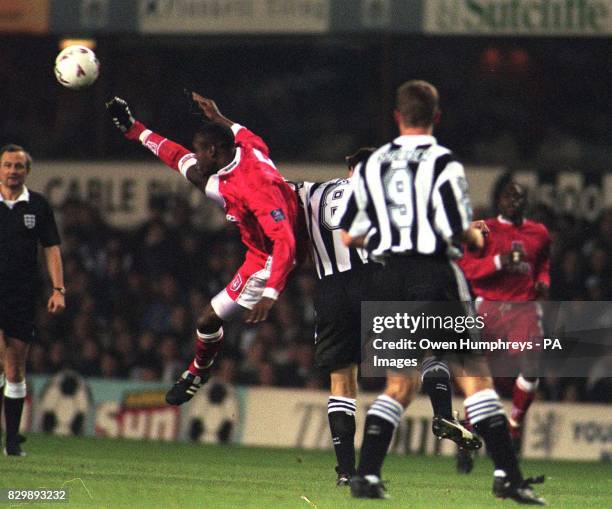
240 295
341 409
435 377
209 338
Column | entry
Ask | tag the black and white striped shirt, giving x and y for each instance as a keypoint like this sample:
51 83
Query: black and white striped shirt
409 197
321 202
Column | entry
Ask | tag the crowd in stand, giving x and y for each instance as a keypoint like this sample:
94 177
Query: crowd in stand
134 296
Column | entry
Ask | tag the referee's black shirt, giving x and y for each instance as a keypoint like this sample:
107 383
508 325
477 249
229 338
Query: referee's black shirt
22 227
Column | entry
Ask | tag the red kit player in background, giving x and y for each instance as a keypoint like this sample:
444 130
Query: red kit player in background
231 166
512 267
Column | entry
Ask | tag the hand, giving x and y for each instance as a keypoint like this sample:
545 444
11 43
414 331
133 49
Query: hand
510 260
260 311
120 113
209 109
541 289
56 303
349 241
482 226
474 238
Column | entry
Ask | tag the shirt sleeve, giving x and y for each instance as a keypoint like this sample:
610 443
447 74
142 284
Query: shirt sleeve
48 234
244 136
269 205
354 217
451 201
476 268
171 153
543 266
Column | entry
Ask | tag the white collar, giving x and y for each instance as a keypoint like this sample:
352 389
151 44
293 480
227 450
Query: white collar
24 196
229 167
415 139
503 220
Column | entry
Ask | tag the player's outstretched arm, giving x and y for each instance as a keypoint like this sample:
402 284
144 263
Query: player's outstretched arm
210 109
172 154
243 135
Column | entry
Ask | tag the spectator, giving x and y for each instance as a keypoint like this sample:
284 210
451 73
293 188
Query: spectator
117 311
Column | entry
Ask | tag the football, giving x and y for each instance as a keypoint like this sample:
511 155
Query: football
76 67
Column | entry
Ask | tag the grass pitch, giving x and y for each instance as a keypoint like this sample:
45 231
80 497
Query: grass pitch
104 473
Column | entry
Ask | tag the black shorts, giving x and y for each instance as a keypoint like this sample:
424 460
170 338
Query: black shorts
432 286
338 316
17 313
420 278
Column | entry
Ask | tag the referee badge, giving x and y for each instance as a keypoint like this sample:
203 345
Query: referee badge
29 220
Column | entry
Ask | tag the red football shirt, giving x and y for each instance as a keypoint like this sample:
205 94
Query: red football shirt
253 193
483 269
256 197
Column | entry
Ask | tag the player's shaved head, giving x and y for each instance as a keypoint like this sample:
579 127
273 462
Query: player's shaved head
214 147
217 135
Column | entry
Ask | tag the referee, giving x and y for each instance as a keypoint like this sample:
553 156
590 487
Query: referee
409 206
25 220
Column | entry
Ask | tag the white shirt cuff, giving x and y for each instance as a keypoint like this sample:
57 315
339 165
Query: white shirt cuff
271 293
186 162
144 135
497 262
369 236
235 128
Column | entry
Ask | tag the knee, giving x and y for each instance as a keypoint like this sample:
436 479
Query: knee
208 321
14 373
472 385
401 389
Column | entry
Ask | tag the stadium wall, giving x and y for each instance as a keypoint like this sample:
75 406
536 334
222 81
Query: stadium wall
67 404
289 17
121 190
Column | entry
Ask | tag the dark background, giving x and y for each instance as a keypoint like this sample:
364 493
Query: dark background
508 100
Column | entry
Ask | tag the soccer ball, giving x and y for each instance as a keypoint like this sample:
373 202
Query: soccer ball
76 67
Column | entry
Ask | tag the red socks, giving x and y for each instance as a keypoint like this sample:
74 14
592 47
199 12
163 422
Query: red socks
206 348
523 394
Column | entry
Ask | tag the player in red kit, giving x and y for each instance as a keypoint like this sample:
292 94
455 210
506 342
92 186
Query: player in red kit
508 276
231 165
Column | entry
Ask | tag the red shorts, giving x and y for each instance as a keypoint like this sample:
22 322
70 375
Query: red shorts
511 321
244 290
